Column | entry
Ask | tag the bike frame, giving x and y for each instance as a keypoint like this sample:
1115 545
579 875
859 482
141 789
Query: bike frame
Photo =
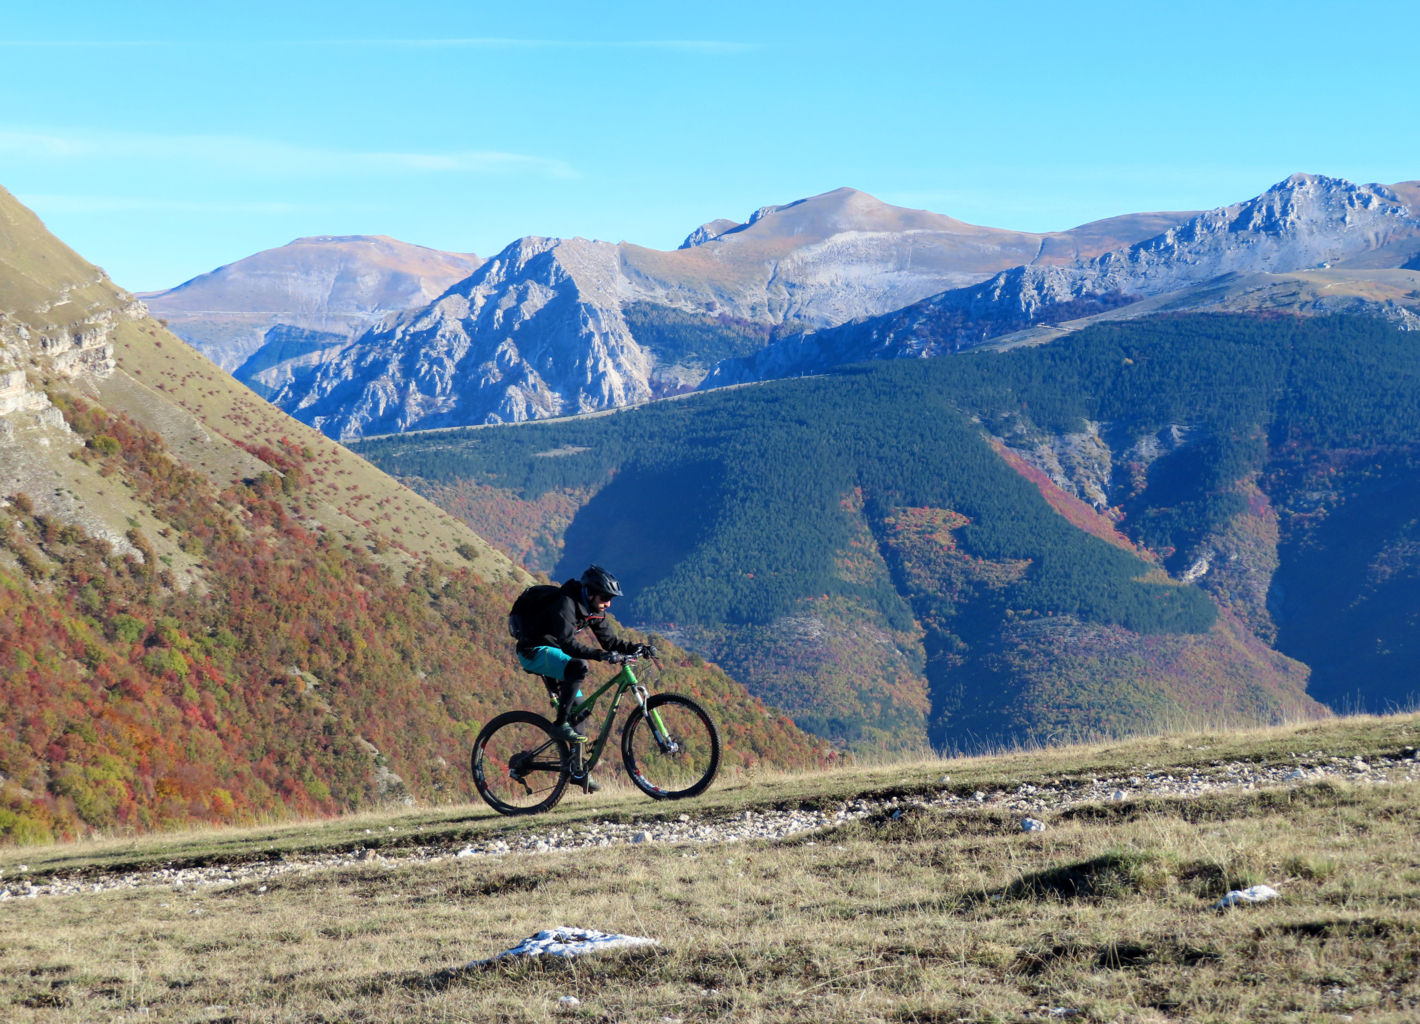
582 764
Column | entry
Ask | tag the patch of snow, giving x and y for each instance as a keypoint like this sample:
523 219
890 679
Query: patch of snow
567 942
1252 894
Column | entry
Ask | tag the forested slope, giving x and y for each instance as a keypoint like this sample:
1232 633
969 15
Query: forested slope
1228 444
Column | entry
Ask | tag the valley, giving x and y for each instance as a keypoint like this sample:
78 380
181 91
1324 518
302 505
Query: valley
1004 546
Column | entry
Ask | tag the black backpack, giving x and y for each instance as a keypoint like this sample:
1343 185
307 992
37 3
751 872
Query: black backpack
529 603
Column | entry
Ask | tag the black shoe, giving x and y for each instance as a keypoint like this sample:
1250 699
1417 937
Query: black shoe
564 732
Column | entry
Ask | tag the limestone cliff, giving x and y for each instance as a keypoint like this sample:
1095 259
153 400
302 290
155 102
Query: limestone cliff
540 331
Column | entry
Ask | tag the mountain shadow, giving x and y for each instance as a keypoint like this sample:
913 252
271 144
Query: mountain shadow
643 524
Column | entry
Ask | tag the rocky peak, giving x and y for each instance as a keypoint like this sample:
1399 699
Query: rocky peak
709 231
1304 223
537 331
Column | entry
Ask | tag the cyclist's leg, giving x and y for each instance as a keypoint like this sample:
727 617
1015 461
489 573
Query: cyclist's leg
574 674
554 663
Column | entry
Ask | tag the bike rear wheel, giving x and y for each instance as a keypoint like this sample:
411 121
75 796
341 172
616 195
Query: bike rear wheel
671 749
519 766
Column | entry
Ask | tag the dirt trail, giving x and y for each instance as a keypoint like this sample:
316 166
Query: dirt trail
1027 800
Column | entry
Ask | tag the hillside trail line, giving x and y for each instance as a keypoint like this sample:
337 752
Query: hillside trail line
1223 777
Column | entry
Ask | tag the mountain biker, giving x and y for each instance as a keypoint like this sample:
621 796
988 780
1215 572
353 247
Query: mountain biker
549 646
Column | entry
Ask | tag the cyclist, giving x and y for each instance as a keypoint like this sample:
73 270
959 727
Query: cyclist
548 645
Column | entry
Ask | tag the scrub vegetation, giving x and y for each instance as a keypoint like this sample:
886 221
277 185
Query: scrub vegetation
298 675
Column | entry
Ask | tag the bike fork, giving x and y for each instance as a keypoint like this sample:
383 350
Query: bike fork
658 728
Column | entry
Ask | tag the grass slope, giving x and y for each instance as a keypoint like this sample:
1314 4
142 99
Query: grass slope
925 915
295 674
209 612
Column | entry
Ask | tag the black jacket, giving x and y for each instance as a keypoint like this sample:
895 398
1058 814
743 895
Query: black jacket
556 625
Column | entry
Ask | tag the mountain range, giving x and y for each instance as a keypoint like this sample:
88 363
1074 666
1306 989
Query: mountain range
304 297
552 327
1305 235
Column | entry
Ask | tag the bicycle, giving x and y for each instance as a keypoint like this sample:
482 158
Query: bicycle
670 747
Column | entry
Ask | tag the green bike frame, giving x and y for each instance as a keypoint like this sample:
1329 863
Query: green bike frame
583 761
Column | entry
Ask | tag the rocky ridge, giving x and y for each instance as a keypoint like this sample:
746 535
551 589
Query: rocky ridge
539 330
1306 223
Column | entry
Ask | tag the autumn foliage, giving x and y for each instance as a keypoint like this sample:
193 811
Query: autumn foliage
300 674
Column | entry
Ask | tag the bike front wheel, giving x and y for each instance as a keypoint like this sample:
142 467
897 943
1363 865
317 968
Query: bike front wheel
671 749
519 766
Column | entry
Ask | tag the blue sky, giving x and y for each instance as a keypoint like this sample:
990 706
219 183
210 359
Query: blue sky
164 139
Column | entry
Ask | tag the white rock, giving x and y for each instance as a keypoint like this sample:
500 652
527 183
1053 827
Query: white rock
1252 894
1032 825
569 1001
643 837
568 942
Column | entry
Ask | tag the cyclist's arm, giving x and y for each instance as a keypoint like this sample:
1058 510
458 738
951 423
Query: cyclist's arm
609 640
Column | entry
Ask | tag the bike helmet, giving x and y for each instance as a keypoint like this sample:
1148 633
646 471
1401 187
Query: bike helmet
598 581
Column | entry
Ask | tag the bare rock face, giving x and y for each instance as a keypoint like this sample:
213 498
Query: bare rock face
539 331
536 332
707 232
1305 222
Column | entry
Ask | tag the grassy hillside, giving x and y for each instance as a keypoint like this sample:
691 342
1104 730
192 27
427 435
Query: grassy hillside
296 674
917 911
211 613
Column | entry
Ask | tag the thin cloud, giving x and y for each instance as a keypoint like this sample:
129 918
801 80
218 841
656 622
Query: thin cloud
40 43
45 203
707 47
703 46
270 158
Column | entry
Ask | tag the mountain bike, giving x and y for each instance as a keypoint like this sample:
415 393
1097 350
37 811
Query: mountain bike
670 747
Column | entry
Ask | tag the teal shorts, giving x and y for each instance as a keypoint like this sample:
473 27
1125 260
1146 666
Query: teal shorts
546 661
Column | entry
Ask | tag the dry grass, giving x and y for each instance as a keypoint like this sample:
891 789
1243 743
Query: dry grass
931 917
